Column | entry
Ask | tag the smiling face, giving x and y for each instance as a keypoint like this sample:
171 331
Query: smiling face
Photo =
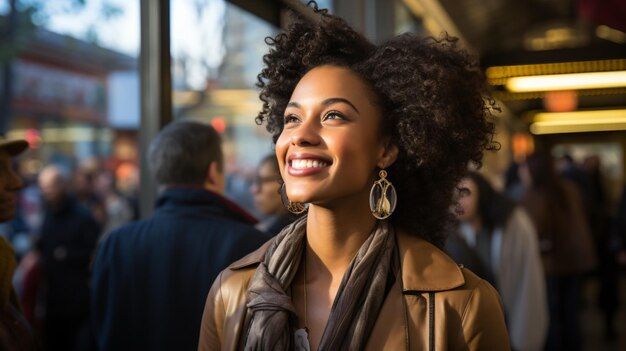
331 142
10 183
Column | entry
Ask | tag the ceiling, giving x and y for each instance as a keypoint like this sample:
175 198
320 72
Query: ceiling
524 38
545 37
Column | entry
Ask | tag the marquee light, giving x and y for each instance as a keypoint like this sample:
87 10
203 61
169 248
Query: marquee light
573 81
578 121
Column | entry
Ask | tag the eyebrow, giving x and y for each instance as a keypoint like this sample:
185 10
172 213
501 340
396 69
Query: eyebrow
327 102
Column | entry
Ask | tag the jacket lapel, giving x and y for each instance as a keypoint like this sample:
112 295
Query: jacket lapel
424 268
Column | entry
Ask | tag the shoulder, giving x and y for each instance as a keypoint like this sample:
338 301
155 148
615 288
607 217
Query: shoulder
225 309
243 230
240 239
124 232
476 287
424 266
472 293
119 239
237 276
480 309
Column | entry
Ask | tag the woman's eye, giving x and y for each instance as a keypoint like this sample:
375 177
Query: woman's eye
290 119
333 115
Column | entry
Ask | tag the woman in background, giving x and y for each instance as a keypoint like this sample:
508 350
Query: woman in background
504 241
267 200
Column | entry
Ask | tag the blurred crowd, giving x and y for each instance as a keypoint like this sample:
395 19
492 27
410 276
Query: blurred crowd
69 223
539 240
61 215
110 196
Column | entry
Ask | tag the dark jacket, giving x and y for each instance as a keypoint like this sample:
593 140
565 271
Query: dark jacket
564 236
460 251
151 278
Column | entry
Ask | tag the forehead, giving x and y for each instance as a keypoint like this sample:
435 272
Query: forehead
331 82
468 183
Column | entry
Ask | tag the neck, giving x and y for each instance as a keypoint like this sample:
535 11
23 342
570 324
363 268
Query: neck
334 236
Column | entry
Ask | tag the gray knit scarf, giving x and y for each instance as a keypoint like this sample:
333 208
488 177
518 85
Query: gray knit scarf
356 306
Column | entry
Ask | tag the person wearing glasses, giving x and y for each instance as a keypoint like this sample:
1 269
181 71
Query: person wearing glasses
266 192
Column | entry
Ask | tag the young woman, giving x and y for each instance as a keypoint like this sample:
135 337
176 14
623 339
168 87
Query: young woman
504 241
372 140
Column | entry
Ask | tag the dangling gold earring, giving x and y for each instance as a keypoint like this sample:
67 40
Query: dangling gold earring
293 207
383 197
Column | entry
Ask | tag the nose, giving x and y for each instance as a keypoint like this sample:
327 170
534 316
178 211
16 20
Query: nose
307 133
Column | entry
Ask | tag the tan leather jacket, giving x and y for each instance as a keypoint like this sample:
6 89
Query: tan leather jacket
435 305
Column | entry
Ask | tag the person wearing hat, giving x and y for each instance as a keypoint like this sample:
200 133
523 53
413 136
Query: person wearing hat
15 333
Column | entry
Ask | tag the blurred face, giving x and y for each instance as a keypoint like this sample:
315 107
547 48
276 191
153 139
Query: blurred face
51 185
10 183
265 191
330 145
468 200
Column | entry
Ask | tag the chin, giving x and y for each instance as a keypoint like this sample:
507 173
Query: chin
299 196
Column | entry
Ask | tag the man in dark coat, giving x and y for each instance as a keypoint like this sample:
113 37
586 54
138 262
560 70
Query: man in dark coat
151 278
68 240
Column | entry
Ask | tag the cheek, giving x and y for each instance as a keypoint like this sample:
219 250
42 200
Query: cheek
282 145
470 207
357 151
274 196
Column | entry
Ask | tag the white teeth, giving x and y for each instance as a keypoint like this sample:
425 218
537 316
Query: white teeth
301 164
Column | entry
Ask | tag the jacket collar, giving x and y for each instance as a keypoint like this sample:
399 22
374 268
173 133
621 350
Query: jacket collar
176 198
424 266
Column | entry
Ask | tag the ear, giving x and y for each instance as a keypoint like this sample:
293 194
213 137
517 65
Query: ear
213 176
389 156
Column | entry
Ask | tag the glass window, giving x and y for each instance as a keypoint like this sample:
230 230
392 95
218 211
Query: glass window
217 51
74 78
70 87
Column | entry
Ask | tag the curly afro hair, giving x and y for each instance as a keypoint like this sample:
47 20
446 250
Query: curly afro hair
435 103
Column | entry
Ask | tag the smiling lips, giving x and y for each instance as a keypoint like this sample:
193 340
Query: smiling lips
306 166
